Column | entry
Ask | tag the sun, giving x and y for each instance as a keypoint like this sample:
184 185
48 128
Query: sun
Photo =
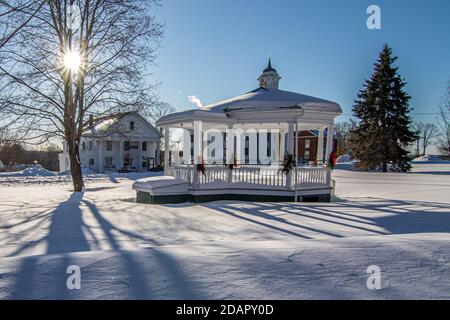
72 60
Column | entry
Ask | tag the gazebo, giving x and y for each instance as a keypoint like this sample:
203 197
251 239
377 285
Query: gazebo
255 156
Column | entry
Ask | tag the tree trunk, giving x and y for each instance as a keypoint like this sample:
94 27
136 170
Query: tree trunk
75 168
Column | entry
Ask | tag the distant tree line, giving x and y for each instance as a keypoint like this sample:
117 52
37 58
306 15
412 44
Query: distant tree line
14 154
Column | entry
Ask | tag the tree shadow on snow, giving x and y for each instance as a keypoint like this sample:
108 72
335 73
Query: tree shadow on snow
67 234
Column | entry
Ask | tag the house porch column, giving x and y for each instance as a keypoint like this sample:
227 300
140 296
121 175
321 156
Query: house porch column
120 162
158 153
140 155
101 161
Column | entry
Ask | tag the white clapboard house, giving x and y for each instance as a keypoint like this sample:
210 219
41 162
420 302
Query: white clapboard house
124 142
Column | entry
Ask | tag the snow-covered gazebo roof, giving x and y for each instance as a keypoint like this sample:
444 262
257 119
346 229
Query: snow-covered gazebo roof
258 102
265 105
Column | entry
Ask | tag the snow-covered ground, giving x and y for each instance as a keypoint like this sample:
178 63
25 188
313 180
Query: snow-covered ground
227 250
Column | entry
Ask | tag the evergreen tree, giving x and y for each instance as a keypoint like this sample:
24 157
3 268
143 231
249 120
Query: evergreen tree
383 132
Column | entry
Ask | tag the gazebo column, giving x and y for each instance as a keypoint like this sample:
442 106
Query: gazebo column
187 147
329 142
320 147
230 151
282 145
290 151
198 152
166 150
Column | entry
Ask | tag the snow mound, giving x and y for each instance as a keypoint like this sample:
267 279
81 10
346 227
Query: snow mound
84 171
37 172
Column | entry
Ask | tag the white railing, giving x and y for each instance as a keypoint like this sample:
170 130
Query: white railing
181 172
312 176
213 174
259 175
255 175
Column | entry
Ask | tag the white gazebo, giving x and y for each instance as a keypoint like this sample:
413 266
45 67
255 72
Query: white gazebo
242 143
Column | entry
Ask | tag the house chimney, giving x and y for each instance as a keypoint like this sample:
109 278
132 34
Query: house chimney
91 121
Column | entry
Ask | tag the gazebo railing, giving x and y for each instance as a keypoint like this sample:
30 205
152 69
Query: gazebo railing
259 175
254 175
312 176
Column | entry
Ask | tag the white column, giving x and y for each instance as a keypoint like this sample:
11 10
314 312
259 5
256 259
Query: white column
290 138
158 153
187 146
166 149
282 144
101 161
140 155
290 150
252 146
329 142
320 147
120 162
230 145
198 142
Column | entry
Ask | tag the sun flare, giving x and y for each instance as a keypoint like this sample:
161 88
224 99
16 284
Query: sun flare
72 60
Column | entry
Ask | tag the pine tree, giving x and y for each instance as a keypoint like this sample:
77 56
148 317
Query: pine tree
382 110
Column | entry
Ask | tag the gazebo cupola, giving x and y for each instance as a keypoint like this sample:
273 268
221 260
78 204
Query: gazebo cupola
270 78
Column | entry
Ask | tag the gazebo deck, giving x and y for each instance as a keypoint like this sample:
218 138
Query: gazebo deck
246 182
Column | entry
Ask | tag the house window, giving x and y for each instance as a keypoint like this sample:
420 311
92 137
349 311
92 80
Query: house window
108 162
108 145
83 146
126 161
133 145
131 125
144 146
90 145
127 145
91 162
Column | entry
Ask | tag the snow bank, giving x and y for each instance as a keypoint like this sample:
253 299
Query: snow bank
37 171
84 171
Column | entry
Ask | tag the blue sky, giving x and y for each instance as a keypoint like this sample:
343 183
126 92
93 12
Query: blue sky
216 49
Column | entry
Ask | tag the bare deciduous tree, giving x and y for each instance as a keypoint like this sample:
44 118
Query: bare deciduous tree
444 123
425 135
342 130
78 58
15 15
